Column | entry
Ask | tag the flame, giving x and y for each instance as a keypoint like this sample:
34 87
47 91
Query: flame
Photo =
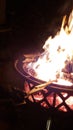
57 58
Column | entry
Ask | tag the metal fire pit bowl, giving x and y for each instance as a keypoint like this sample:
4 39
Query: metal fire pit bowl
54 96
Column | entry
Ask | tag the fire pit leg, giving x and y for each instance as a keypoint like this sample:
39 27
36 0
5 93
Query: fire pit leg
60 122
48 124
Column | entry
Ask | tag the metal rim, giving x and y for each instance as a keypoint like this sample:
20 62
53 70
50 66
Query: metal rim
19 67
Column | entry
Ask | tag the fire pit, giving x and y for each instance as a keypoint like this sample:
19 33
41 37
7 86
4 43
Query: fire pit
48 95
49 76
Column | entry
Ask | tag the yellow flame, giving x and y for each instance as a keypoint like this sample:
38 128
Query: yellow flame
58 51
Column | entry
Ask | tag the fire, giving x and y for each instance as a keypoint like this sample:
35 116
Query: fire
56 62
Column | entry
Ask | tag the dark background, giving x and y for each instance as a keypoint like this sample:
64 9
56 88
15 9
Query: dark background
31 23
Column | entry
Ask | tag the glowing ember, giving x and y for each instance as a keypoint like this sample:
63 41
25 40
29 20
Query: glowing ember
69 101
47 98
56 62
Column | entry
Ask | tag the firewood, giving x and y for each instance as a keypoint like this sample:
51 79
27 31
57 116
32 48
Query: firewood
40 87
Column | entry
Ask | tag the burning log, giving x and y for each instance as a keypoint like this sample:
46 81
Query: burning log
40 87
30 57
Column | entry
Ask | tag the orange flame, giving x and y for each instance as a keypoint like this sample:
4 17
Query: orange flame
57 57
